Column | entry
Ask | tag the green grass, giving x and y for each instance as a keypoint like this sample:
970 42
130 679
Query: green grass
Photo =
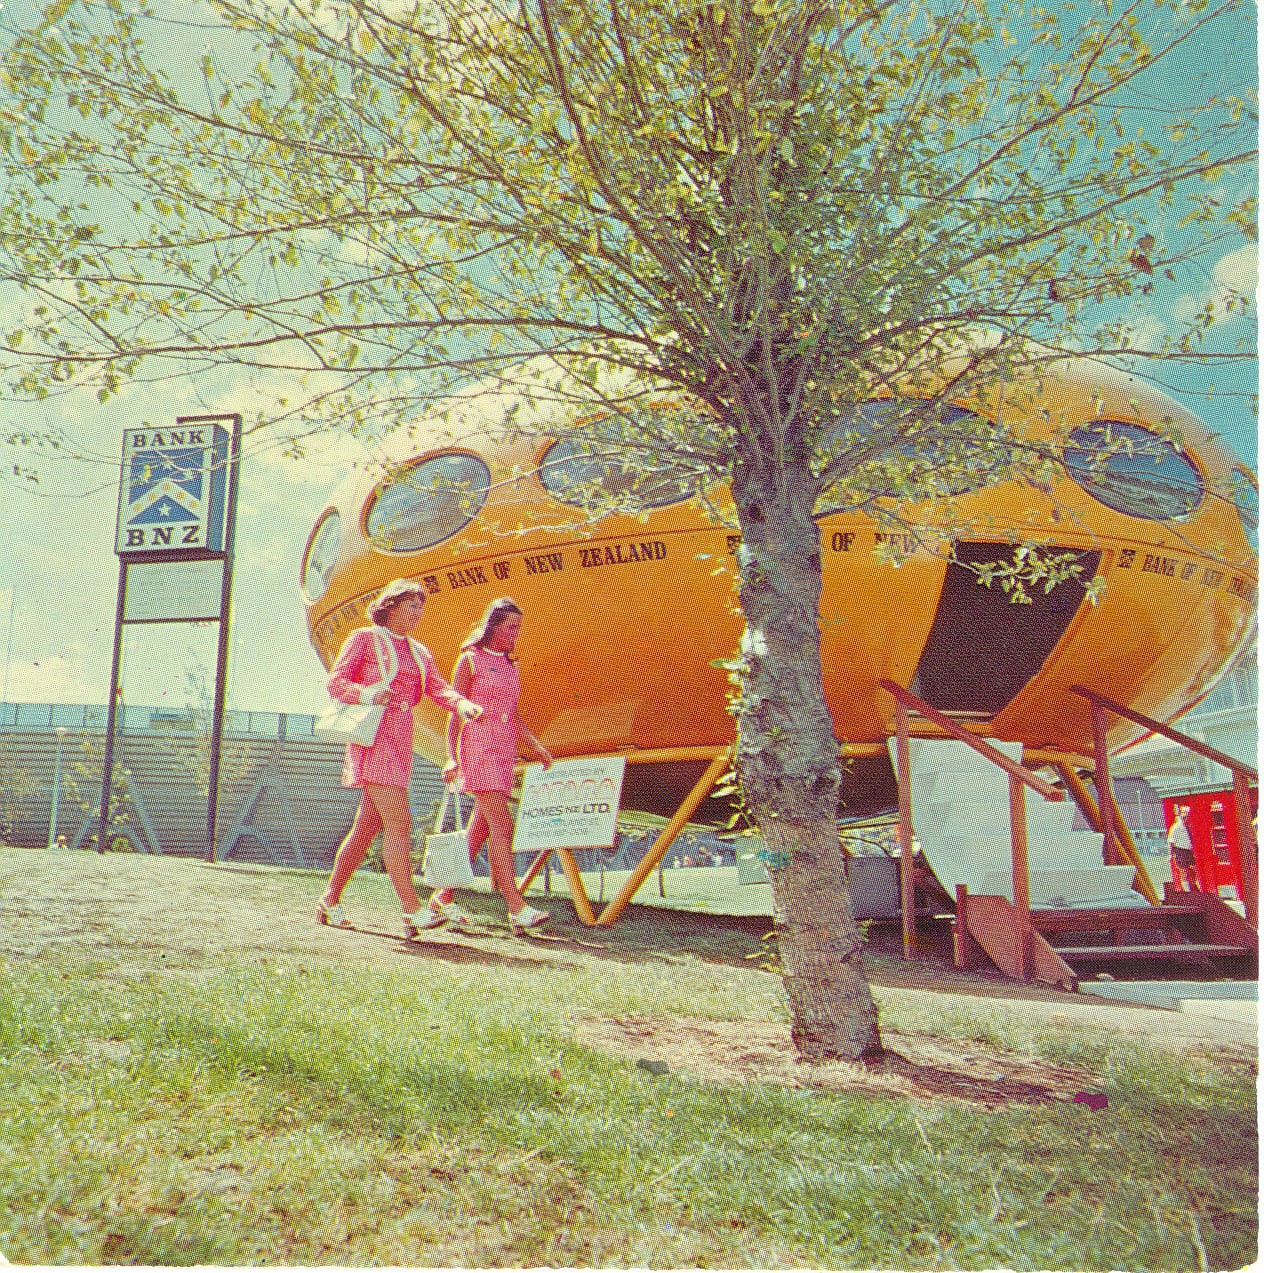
171 1104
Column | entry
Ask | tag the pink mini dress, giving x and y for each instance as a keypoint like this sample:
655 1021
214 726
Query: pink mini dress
389 761
488 746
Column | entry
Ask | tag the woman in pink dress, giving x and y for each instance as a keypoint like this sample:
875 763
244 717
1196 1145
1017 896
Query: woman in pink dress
483 753
381 771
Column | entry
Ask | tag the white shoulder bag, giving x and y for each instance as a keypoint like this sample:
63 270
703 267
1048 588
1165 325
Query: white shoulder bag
341 722
447 862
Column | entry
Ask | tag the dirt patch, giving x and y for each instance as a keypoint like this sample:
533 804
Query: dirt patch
916 1066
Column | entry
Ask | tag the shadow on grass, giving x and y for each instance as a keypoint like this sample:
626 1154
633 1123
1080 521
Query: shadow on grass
643 934
990 1092
455 952
652 934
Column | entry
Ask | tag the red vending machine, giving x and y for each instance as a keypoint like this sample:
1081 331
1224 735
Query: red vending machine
1213 828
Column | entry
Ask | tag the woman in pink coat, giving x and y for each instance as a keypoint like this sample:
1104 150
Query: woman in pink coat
381 771
483 753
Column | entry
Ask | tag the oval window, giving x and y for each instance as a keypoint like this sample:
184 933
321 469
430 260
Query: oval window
428 502
1246 499
1133 470
580 470
322 555
953 453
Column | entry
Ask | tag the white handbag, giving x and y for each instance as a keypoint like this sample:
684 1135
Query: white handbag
340 722
349 723
447 863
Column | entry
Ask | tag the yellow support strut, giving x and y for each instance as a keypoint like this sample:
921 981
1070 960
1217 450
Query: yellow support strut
654 854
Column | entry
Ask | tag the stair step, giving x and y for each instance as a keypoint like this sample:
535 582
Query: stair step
1169 950
1052 920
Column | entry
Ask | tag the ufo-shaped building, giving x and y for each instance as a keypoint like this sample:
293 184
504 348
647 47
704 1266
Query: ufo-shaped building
627 616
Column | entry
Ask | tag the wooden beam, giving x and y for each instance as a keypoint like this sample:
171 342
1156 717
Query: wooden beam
950 727
965 950
1082 796
908 919
1101 776
1022 875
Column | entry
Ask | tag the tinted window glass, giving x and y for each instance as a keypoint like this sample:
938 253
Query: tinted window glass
950 459
428 502
576 470
322 553
1133 470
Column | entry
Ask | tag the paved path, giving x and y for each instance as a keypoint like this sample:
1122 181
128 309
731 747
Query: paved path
1162 1027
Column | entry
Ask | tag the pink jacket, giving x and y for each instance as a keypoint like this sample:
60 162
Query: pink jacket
356 677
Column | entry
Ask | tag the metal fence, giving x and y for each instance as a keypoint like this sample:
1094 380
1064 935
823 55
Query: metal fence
131 720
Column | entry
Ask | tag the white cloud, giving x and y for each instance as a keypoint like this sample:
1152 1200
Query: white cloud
1233 276
67 674
1239 270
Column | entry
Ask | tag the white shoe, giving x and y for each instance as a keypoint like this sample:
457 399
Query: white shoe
527 917
452 913
333 915
422 920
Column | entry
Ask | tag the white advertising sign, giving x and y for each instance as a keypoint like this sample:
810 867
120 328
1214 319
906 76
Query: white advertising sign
571 805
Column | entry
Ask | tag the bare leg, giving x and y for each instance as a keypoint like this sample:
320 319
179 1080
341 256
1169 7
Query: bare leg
353 850
476 835
391 804
494 807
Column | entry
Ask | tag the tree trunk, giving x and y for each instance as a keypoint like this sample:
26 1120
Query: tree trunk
788 765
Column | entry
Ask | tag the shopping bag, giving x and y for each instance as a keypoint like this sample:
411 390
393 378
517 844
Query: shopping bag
447 861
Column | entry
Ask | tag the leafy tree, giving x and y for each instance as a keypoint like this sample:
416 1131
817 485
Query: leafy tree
84 790
775 210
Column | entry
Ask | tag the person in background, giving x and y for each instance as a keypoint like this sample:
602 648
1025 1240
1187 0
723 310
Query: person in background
1181 845
482 753
382 770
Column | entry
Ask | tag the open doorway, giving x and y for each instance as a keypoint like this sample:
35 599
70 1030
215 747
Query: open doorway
983 648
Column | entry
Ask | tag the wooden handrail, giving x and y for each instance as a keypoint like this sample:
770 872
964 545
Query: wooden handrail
1242 774
1011 767
1157 727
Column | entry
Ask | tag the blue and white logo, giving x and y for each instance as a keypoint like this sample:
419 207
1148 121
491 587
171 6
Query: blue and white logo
172 492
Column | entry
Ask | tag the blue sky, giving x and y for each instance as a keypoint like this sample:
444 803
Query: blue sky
58 571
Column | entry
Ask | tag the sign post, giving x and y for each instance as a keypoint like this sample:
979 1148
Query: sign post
177 515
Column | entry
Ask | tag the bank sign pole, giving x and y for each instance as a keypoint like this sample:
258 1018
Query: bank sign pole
174 540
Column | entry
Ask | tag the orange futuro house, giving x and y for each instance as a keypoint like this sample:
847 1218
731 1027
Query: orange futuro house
626 618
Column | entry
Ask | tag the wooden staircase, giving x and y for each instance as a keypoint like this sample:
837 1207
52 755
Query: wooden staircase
1062 945
1058 902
